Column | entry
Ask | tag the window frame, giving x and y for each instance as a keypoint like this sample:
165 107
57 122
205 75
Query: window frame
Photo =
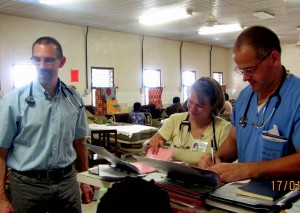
146 88
14 75
222 77
185 88
110 84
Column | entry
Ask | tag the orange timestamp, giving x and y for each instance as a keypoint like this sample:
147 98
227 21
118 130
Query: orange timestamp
285 185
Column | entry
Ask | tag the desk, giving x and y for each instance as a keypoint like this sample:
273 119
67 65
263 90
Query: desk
86 177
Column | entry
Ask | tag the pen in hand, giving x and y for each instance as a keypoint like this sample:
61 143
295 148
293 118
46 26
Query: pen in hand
212 152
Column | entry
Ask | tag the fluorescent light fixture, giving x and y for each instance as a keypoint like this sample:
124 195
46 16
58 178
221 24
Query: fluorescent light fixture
54 1
263 15
226 28
163 16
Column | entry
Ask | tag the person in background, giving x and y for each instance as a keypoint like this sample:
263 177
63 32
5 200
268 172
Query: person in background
200 125
266 116
184 105
175 107
42 130
134 195
137 117
227 105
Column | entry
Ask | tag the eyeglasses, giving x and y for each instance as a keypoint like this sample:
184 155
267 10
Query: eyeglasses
47 60
249 71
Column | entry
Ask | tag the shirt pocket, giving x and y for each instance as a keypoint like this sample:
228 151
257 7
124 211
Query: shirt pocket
69 123
271 150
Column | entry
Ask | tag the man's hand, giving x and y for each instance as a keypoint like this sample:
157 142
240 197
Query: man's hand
5 206
87 192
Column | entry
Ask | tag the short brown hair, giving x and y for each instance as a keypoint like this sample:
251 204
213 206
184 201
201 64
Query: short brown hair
50 40
262 39
210 88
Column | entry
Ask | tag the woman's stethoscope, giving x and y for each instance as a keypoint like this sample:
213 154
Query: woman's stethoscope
30 100
243 121
186 122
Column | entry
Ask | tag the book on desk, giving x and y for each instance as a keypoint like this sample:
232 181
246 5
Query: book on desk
229 197
186 185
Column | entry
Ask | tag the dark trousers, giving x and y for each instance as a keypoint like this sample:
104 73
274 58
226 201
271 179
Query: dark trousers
40 193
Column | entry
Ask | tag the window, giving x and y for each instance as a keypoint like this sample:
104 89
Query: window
101 77
23 74
218 76
188 78
151 78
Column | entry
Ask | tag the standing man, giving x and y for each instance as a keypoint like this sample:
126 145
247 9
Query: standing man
265 137
42 130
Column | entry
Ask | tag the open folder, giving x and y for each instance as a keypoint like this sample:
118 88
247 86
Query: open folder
119 168
185 173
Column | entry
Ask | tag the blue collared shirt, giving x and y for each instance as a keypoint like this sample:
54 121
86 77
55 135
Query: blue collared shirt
41 136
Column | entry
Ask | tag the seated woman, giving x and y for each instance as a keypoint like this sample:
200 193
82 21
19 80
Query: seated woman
197 131
137 117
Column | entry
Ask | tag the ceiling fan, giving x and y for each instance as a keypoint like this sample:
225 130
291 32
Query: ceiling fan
212 26
210 20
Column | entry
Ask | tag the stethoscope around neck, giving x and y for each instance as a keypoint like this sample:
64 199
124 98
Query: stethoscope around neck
186 122
243 121
30 100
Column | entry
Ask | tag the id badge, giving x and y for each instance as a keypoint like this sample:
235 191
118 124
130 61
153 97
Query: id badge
199 146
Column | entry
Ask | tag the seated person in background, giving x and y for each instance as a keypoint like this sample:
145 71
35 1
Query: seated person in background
137 117
227 105
175 107
267 103
151 108
201 125
135 195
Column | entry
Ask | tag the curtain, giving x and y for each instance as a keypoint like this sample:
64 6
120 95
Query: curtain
105 95
101 107
155 96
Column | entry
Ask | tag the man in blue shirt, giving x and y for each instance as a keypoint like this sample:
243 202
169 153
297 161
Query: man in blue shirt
42 130
265 137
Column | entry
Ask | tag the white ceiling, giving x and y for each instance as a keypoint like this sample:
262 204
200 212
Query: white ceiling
122 16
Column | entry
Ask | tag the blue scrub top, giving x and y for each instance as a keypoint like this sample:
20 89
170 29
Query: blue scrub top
252 146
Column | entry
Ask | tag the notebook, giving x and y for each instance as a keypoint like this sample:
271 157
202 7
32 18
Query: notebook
261 189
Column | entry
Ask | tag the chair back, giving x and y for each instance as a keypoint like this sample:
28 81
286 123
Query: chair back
106 139
148 119
137 118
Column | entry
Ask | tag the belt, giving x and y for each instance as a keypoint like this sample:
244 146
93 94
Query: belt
52 174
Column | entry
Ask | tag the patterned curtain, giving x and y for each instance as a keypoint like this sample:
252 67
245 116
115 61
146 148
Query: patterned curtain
101 107
155 96
103 96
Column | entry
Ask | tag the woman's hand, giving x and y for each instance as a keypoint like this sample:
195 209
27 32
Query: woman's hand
155 143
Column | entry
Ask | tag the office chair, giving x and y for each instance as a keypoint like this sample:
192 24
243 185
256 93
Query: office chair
106 139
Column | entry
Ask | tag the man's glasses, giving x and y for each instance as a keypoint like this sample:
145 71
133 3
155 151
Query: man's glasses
47 60
249 71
